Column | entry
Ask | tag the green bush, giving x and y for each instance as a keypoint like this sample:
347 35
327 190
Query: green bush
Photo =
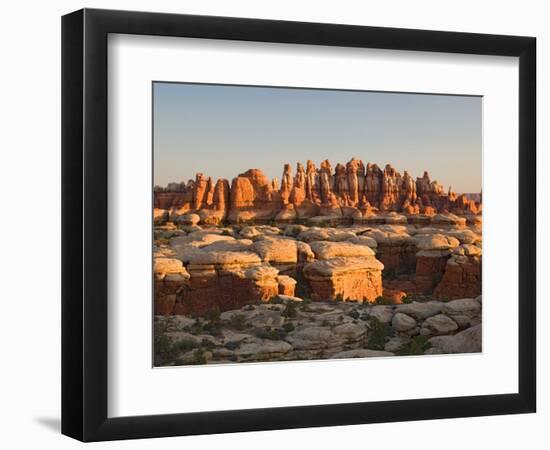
383 301
207 344
199 357
184 345
213 315
163 349
417 346
290 310
288 327
238 322
276 334
376 336
212 323
232 345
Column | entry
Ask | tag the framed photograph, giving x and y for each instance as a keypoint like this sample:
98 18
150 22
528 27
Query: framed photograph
272 224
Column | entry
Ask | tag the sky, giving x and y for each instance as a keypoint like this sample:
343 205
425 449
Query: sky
223 130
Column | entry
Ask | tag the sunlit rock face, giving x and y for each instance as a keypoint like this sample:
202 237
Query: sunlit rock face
325 232
348 192
201 268
355 277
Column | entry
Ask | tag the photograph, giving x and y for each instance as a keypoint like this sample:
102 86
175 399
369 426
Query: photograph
310 224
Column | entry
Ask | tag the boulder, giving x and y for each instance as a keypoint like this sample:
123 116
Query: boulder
420 311
329 250
402 322
467 341
364 240
276 250
160 216
438 324
462 278
186 219
436 242
465 312
263 349
358 278
383 313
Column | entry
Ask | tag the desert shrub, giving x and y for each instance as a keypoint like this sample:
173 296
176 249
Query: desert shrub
232 345
227 233
417 346
290 310
207 344
407 300
288 327
275 334
275 300
354 314
212 329
339 298
199 357
163 348
238 322
196 328
184 345
213 323
213 315
383 301
325 323
376 336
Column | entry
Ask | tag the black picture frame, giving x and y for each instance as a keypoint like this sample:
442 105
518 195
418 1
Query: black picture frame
84 224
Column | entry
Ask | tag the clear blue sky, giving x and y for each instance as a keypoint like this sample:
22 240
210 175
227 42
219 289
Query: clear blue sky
224 130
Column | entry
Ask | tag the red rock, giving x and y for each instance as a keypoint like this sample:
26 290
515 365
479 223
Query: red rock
396 296
462 279
312 192
355 278
429 272
226 288
405 285
287 285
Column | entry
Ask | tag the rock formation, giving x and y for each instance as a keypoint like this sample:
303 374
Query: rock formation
347 191
289 330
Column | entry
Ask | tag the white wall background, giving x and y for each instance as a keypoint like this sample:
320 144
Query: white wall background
30 230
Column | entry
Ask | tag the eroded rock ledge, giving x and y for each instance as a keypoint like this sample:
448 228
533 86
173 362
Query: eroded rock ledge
199 269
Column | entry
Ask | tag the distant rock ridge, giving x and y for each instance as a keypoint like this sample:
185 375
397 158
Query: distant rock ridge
353 190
